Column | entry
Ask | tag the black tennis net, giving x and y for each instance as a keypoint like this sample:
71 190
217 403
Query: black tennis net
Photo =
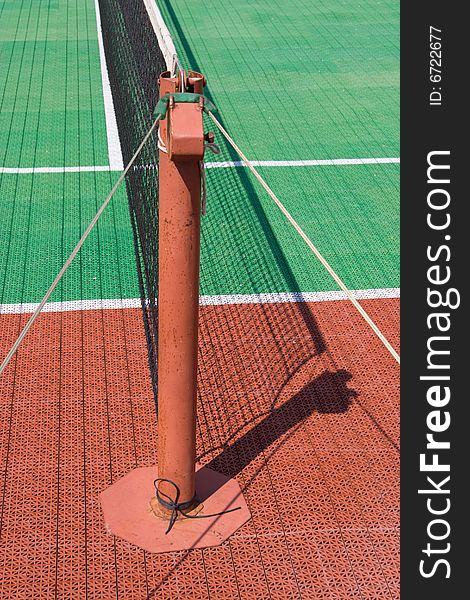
135 59
247 254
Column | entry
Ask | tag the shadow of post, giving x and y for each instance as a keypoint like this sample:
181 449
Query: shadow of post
327 394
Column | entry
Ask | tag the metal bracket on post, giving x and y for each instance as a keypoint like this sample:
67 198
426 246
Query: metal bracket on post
185 130
208 506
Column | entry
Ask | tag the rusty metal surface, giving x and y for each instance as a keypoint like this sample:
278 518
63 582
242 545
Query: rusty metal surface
179 223
298 402
132 512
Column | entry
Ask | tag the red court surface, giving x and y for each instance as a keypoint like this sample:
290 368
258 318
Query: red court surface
298 402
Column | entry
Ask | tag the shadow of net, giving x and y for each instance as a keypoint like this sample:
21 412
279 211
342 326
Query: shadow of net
260 360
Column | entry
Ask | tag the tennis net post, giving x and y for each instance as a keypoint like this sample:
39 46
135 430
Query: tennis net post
181 145
145 504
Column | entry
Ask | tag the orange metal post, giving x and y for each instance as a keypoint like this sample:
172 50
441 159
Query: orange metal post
178 299
222 508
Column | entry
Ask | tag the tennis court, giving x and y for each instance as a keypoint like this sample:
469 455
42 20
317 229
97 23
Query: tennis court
298 398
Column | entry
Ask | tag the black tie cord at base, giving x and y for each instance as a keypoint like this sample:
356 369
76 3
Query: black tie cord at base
178 508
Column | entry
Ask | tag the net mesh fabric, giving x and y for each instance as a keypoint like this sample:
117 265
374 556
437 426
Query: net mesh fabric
238 247
135 61
246 248
297 401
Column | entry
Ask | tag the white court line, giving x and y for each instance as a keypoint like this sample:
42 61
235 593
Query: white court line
25 170
217 300
213 165
303 163
114 145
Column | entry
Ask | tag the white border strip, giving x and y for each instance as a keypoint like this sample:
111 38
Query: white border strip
114 145
217 300
303 163
289 297
213 165
84 169
164 38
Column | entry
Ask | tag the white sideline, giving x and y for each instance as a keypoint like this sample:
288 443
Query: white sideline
212 165
26 170
303 163
114 145
217 300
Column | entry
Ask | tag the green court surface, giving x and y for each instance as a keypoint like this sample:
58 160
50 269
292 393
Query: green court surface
241 241
51 96
297 79
242 253
44 216
292 81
